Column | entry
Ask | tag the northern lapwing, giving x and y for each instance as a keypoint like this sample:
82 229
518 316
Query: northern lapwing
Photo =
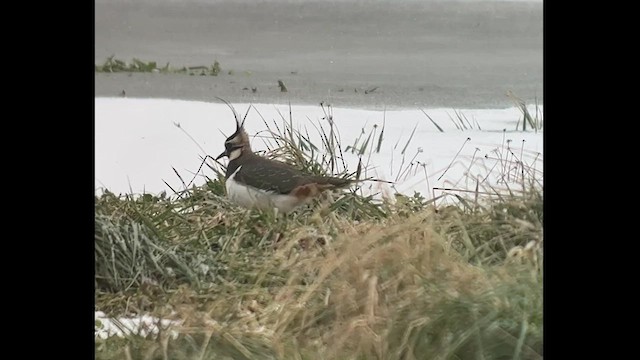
253 181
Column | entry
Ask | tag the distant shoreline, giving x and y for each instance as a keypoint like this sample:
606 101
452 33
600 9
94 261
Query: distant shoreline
300 92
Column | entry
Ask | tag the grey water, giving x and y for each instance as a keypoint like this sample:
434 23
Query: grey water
379 53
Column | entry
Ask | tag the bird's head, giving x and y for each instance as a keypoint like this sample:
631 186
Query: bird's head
238 142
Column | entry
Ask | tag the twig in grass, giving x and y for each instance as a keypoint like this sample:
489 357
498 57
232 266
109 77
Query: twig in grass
200 147
129 184
177 124
454 158
434 123
179 177
384 118
403 153
401 166
477 192
521 338
501 153
325 144
454 122
359 169
477 123
328 115
410 137
426 176
530 171
172 189
394 150
509 152
486 156
473 157
411 162
521 161
204 159
363 147
462 117
534 166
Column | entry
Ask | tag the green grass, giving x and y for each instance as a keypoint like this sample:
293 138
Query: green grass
348 277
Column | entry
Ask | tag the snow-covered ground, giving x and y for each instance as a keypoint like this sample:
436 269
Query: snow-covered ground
144 325
139 141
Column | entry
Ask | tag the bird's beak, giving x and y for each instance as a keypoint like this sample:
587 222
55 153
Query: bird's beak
224 153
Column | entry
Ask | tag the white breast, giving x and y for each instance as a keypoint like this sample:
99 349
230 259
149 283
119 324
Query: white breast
251 197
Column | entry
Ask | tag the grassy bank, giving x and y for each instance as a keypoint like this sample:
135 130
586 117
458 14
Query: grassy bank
350 277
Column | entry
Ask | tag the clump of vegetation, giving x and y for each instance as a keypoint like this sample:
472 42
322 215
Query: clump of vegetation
349 277
534 121
215 68
282 87
116 65
113 64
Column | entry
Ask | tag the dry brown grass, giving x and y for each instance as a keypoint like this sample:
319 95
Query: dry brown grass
393 289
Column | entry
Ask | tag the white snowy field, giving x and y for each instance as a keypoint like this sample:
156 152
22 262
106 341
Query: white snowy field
143 325
138 141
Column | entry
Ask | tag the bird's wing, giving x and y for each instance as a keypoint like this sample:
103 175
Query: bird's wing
271 176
